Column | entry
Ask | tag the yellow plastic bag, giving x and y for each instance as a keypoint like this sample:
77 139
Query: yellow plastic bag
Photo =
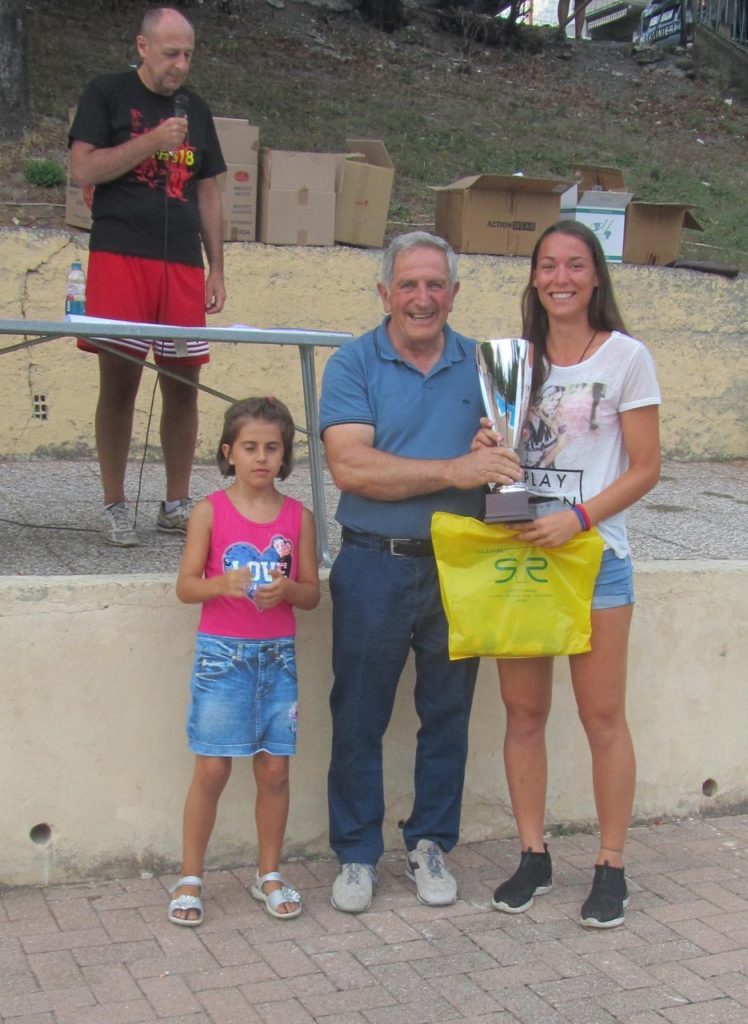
505 598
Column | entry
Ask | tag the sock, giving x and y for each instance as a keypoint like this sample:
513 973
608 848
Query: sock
170 506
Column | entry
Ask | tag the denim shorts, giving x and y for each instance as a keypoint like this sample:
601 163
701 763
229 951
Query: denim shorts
243 697
614 586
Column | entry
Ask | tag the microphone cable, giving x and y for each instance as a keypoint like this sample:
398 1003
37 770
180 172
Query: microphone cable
181 106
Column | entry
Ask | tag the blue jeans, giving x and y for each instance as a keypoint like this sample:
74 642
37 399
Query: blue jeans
384 605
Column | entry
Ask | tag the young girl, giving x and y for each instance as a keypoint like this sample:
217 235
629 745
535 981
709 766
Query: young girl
593 431
243 688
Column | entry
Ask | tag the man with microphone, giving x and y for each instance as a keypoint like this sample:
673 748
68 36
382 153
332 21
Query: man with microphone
149 147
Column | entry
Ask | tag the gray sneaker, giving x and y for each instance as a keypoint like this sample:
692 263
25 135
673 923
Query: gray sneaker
117 528
354 887
176 521
435 885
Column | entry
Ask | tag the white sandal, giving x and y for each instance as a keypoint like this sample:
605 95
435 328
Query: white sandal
272 900
186 902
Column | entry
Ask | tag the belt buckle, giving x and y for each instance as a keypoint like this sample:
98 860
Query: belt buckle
392 541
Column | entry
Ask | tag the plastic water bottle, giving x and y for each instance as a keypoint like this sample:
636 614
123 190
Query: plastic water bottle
75 297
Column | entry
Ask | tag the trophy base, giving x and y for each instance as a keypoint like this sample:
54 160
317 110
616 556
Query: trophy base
517 505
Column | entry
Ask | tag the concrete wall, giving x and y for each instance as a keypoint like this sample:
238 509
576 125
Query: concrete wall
695 324
94 758
725 61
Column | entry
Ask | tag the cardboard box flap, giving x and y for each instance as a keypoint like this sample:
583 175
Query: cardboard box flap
505 183
689 221
604 179
341 161
370 151
604 201
239 139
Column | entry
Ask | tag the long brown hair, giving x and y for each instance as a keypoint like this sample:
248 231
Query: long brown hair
603 312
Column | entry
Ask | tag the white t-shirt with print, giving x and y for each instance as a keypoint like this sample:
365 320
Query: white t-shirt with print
573 443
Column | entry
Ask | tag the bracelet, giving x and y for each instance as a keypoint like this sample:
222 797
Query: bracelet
581 513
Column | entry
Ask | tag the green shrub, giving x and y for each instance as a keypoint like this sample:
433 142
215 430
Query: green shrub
46 173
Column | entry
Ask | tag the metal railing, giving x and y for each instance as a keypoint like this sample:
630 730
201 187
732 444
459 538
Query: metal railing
729 18
36 332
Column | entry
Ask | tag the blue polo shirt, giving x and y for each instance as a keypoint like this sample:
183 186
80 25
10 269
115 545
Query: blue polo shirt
416 416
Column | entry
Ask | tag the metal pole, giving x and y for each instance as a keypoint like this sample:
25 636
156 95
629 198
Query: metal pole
309 383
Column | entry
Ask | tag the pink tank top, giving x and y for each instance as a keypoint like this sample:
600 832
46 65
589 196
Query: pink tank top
237 542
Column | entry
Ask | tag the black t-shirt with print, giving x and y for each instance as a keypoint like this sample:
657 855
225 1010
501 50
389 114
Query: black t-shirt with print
151 211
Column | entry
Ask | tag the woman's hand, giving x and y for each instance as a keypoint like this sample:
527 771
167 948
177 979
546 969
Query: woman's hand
550 531
486 436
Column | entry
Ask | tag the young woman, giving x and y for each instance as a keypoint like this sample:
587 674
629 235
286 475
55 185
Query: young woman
593 431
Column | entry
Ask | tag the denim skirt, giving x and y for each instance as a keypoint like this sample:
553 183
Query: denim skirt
243 697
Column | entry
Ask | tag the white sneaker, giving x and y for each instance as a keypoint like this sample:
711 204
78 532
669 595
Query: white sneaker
354 887
435 885
117 528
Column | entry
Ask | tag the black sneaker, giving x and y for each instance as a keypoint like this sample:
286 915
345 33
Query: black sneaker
604 906
533 877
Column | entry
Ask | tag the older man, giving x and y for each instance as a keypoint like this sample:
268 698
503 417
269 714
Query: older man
149 147
399 409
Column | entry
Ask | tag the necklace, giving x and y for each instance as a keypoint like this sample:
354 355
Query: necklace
586 347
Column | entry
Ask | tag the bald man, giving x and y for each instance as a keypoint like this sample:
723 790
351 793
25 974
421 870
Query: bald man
149 147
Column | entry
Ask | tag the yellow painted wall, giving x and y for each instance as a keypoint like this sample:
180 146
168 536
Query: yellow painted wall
696 326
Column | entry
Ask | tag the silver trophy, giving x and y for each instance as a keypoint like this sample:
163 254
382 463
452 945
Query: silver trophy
505 374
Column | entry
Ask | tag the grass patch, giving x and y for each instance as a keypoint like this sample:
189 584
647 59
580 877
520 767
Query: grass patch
446 106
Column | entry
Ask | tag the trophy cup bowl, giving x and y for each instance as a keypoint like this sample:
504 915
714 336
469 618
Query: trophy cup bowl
505 375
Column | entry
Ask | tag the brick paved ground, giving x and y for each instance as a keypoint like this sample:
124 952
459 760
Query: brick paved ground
104 953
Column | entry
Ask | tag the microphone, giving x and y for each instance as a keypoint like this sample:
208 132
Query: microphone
181 105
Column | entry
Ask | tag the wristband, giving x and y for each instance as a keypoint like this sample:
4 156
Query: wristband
581 513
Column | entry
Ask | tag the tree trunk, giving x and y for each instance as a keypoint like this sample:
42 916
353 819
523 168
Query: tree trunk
13 69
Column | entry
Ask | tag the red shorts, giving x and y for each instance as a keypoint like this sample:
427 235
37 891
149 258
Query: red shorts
151 292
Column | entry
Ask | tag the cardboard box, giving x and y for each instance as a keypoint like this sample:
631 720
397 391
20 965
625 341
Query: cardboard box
297 198
290 170
653 231
500 215
604 213
240 143
363 184
629 230
78 198
238 189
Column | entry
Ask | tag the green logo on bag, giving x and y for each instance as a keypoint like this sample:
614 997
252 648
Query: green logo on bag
534 566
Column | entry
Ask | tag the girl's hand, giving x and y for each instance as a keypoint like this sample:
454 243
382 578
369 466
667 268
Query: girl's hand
550 531
271 594
236 582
